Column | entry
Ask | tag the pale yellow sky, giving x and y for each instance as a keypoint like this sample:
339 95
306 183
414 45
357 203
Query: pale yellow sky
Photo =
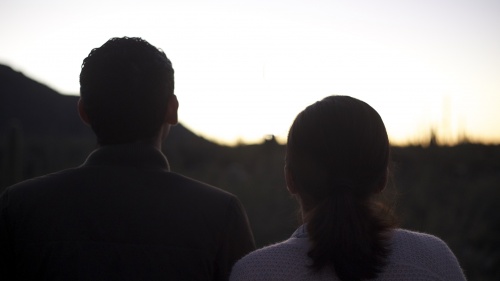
245 68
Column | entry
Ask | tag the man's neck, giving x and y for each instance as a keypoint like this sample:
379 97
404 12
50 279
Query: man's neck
156 142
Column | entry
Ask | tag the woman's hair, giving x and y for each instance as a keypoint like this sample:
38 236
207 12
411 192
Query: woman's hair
338 156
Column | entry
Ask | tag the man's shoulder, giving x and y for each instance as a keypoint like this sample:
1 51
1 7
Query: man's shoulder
39 181
145 187
195 185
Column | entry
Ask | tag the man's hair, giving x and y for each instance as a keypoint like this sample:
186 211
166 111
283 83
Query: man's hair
124 86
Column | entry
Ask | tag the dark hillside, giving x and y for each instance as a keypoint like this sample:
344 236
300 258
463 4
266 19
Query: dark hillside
37 109
42 112
454 193
451 192
41 132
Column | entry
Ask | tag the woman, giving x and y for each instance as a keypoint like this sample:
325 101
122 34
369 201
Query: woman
336 165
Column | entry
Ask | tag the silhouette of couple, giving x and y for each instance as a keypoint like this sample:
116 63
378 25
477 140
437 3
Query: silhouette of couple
122 215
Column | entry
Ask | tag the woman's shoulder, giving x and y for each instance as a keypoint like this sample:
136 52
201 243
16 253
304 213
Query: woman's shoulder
424 253
419 242
280 261
285 250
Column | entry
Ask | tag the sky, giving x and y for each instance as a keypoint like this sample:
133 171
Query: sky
245 68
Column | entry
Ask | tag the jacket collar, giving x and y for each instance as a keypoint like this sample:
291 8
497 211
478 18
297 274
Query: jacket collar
137 155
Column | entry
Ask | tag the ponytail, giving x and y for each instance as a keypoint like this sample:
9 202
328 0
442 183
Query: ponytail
346 236
337 156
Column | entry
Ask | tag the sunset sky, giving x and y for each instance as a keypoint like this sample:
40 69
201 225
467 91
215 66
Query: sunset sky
245 68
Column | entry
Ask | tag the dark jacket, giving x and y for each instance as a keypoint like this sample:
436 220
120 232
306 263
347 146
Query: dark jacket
122 215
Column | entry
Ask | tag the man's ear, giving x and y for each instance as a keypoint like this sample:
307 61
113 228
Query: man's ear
171 112
83 113
290 185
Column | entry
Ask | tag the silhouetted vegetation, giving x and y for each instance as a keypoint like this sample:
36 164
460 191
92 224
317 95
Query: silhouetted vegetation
450 191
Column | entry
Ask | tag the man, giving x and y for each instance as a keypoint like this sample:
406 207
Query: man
122 215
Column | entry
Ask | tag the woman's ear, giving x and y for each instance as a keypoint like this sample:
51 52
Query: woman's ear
171 112
290 185
383 182
83 113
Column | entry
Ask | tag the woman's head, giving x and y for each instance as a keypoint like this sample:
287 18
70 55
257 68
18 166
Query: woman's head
337 159
337 145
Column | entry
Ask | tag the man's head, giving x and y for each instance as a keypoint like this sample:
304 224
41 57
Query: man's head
126 86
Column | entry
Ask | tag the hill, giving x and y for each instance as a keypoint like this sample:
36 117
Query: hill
41 131
39 111
451 192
